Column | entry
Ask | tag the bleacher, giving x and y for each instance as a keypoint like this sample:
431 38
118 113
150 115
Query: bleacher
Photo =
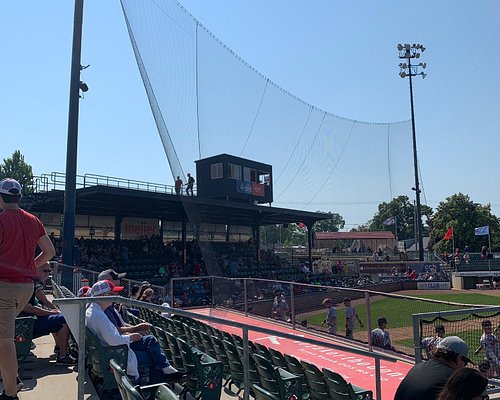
476 263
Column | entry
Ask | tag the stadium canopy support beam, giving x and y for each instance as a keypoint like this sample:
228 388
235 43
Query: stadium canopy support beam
256 240
309 243
118 227
183 261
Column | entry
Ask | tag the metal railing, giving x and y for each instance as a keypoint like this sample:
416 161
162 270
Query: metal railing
70 304
56 181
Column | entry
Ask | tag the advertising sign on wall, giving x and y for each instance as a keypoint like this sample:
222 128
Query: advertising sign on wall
137 228
429 285
251 188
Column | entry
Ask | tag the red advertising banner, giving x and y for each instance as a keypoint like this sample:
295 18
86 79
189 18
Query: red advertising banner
258 189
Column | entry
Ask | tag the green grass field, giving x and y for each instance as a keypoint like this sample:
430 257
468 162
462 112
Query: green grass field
399 312
399 315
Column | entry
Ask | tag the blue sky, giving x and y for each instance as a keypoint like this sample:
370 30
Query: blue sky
339 56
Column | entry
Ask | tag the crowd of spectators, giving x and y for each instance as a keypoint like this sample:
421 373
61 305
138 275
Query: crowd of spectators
151 259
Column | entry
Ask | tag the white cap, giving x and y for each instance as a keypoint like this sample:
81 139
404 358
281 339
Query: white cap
10 186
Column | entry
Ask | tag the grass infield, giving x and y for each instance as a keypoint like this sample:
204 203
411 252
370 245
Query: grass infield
399 312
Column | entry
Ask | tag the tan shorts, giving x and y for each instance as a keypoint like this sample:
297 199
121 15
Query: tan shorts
13 298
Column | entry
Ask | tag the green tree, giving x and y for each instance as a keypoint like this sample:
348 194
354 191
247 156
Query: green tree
404 211
362 228
461 213
333 224
15 167
286 234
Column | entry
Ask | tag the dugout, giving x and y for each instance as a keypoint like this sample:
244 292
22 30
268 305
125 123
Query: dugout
472 279
235 179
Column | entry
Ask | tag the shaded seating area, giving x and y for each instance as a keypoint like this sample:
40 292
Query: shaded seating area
272 375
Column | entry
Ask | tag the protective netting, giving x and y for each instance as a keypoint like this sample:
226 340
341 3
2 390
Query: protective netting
207 101
468 326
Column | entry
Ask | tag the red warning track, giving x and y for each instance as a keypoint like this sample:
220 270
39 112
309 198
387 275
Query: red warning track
359 370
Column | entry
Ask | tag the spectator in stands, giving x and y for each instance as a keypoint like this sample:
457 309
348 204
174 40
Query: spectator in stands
485 368
49 321
491 345
111 275
331 317
466 256
380 336
425 380
124 255
465 384
144 286
20 233
133 291
429 343
184 300
457 257
280 307
82 292
233 267
351 315
484 253
496 282
190 185
178 185
146 350
97 321
166 304
147 295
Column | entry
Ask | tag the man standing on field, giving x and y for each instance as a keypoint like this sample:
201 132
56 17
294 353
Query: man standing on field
351 315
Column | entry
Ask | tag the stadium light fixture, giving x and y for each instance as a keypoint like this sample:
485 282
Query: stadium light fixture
406 69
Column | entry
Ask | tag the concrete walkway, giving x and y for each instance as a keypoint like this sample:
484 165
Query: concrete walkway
43 379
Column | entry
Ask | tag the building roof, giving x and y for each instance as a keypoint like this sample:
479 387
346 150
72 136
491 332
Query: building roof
354 235
113 201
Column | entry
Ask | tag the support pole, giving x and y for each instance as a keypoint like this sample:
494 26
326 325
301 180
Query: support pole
72 145
418 210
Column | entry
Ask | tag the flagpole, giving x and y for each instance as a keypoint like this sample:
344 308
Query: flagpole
453 240
396 228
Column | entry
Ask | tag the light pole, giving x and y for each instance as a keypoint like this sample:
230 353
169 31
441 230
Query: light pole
409 52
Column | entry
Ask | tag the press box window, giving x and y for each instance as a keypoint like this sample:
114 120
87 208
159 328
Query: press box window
264 177
249 174
234 171
216 171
